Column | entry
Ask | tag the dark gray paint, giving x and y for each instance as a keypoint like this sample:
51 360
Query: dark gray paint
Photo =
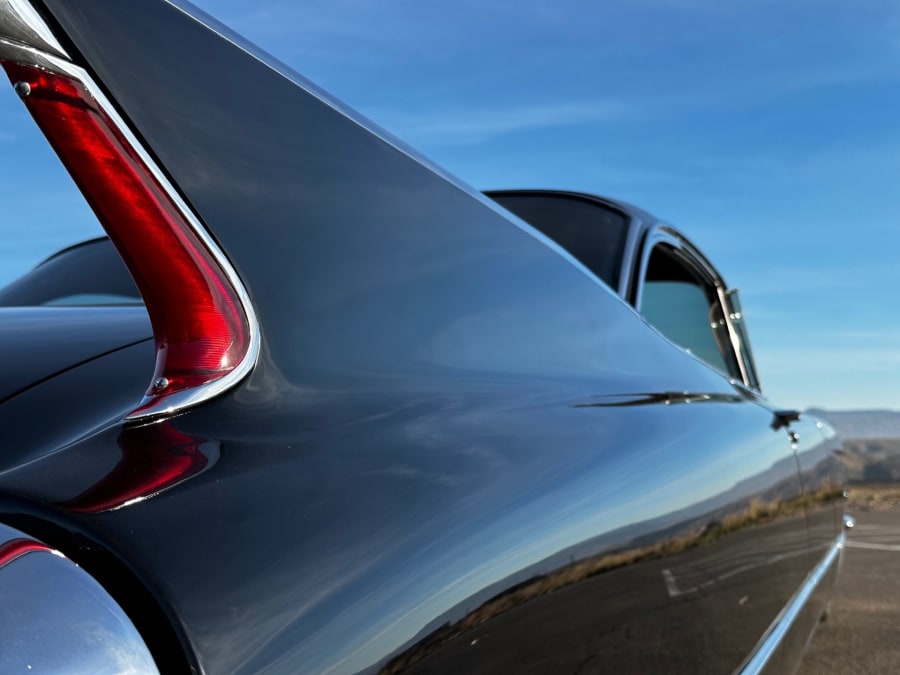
39 342
438 416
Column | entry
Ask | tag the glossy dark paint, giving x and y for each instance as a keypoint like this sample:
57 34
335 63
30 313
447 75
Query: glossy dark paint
448 412
89 268
334 536
38 343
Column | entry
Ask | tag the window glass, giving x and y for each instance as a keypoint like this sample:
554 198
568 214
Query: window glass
593 233
681 305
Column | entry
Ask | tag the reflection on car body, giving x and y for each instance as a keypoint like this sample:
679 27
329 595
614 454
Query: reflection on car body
392 424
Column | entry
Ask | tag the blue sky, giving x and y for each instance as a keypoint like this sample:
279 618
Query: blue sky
767 131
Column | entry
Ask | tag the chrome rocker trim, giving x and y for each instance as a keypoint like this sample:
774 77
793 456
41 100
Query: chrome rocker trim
776 633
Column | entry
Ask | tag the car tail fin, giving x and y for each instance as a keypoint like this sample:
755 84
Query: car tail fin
359 256
203 323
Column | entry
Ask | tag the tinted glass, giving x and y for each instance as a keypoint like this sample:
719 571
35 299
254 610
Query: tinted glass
685 308
592 232
680 311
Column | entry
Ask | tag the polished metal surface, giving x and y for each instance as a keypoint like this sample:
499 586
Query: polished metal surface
19 22
56 619
10 50
783 624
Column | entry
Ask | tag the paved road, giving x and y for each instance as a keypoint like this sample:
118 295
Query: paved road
700 611
861 634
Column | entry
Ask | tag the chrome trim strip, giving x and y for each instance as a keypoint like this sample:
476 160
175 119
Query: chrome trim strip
11 50
785 619
165 405
661 233
20 22
733 336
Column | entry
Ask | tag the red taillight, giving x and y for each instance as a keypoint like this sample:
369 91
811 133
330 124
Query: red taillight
201 329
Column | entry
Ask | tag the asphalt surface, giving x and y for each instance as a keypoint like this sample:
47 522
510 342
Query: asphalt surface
700 611
861 633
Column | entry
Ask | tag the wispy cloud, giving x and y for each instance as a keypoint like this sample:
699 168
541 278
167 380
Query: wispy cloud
836 360
475 125
795 279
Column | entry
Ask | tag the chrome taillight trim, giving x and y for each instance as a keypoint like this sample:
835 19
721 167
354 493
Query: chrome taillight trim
12 13
20 22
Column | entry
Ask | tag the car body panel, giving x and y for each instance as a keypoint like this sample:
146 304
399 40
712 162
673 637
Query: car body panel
90 272
458 450
78 401
37 343
361 520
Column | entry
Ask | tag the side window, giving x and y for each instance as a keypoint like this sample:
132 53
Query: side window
681 304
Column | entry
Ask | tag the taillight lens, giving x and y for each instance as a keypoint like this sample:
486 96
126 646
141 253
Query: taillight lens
201 330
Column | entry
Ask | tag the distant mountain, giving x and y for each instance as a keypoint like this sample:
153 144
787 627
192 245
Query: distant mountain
861 424
873 460
871 442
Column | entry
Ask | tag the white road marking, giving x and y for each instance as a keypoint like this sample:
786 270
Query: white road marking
674 591
672 587
876 547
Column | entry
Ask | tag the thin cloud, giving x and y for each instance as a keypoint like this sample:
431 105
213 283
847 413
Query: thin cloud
834 360
482 124
793 280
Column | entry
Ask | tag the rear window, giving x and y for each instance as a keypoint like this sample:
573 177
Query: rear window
591 231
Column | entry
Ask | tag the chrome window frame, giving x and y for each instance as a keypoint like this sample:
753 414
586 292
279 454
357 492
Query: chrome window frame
688 254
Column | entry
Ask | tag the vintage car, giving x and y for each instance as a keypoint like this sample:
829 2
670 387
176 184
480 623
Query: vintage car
354 416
